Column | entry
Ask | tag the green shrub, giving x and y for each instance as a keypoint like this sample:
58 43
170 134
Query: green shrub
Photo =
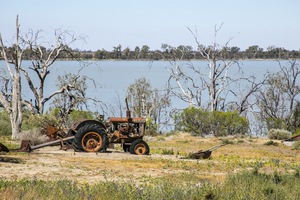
228 123
77 115
151 127
278 134
73 117
271 143
167 152
226 141
297 145
297 132
5 126
31 121
193 120
200 122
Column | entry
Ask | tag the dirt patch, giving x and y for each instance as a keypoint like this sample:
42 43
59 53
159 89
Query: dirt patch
50 163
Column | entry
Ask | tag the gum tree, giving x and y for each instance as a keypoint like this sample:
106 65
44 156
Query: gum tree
42 60
215 80
280 95
29 46
10 96
148 102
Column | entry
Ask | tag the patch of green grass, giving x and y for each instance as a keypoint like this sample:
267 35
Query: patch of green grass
240 141
161 138
243 185
271 143
167 152
9 143
226 141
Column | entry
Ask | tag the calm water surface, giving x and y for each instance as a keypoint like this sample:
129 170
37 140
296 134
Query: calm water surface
114 77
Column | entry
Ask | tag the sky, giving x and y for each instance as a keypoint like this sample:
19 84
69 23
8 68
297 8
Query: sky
131 23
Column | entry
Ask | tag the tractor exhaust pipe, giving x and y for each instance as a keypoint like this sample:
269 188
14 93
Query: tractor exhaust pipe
128 112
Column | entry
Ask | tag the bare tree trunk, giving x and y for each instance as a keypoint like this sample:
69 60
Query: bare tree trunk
16 114
13 105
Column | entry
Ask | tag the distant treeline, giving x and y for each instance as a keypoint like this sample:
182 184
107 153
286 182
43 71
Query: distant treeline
181 52
186 53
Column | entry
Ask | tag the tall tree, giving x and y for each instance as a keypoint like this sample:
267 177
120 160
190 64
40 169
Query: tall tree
144 51
126 53
138 95
41 61
72 97
137 52
195 81
117 52
253 52
215 80
280 95
148 102
29 46
10 96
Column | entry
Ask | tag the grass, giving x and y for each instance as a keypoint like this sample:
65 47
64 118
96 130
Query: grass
9 143
243 185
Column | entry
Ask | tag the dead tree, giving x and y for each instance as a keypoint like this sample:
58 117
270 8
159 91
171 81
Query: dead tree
193 81
279 97
41 61
219 78
10 96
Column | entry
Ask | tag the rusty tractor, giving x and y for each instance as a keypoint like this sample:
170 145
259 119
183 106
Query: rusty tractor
97 136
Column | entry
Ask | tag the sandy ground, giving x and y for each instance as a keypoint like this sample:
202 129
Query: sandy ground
51 163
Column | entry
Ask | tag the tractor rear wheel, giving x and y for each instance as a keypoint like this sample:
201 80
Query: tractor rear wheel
90 138
139 147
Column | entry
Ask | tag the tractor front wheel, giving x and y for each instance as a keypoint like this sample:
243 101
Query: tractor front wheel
139 147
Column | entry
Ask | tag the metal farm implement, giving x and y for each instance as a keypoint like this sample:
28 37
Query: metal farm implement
97 136
205 154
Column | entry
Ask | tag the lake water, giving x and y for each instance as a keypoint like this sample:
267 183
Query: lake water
112 78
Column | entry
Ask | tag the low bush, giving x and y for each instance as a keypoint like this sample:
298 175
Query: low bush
35 136
226 141
271 143
278 134
31 121
297 145
5 126
297 132
201 122
167 152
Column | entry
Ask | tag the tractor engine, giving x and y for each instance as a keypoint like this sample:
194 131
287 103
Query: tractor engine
123 129
127 129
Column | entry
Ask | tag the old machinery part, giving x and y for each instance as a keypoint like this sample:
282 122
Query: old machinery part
3 148
90 138
205 154
139 147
